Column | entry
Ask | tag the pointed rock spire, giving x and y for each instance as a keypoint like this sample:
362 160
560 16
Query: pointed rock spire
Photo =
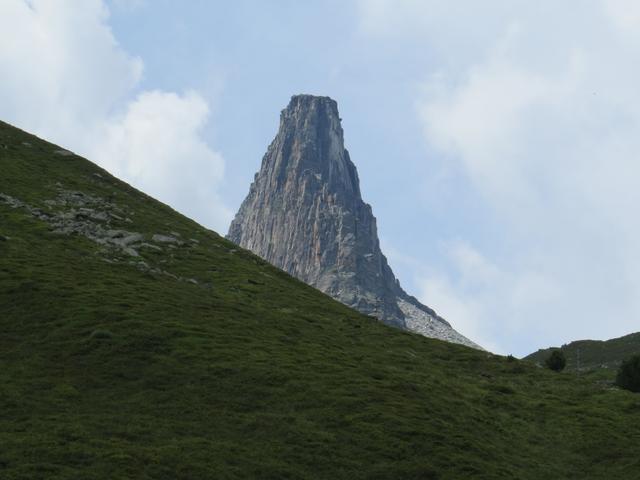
304 213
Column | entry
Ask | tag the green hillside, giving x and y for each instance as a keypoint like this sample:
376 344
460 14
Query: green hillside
603 357
137 344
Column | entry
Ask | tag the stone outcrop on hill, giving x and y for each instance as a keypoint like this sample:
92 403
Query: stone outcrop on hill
75 213
304 213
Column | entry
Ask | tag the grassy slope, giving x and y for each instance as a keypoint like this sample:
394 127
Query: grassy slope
597 358
261 379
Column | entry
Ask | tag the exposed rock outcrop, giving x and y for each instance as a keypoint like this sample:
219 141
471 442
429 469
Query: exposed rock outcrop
77 213
304 213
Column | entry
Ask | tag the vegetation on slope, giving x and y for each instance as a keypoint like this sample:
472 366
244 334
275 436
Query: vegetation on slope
629 374
198 360
598 359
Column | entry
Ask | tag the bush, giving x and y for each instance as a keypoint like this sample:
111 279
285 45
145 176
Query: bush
556 361
629 374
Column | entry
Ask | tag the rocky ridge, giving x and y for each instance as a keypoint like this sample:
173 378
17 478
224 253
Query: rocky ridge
304 213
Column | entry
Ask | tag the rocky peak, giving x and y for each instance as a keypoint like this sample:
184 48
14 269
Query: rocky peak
304 213
310 143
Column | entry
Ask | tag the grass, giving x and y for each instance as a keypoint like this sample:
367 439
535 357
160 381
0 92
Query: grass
599 360
108 371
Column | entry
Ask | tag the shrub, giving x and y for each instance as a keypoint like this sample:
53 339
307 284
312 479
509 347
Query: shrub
629 374
556 361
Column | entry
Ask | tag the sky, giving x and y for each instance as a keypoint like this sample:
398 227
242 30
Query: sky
496 141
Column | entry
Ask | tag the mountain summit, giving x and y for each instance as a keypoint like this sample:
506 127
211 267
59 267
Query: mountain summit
304 213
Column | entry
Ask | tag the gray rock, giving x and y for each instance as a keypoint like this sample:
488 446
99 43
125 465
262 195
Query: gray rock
165 239
130 239
151 246
115 234
11 201
99 216
304 213
130 251
64 153
82 219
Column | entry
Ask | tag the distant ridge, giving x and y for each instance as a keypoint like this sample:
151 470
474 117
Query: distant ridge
594 354
304 213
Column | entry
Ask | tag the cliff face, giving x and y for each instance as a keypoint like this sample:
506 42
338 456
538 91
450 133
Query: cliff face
304 213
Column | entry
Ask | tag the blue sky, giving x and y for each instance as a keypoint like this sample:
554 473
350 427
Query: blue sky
496 141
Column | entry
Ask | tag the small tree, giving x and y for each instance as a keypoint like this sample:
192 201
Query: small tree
556 361
629 374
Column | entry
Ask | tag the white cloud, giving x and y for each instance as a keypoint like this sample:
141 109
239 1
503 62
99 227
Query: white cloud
542 119
156 145
128 5
61 66
64 76
625 14
477 295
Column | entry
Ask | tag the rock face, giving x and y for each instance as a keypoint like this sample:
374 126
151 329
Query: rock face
304 213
